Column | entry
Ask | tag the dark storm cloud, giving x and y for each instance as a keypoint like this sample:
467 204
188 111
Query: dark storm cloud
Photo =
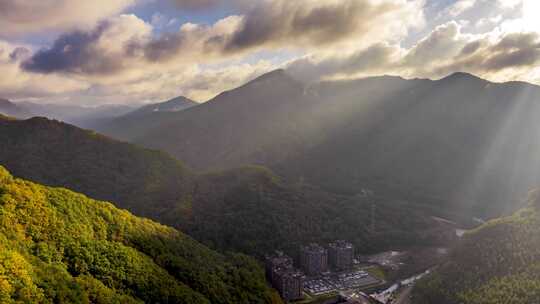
514 50
74 52
20 53
527 56
471 48
286 21
161 49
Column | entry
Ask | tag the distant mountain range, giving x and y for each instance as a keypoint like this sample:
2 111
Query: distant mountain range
62 247
496 263
9 108
459 142
132 124
82 116
74 114
174 105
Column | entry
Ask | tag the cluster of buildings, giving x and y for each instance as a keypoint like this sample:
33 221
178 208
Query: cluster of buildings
314 261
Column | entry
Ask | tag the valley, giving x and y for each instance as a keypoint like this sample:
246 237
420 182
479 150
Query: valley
269 152
254 210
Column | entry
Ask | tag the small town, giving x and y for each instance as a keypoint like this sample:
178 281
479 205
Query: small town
321 271
333 274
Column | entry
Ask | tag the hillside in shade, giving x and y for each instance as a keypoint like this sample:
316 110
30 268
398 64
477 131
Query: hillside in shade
498 263
461 142
58 246
257 123
54 153
227 210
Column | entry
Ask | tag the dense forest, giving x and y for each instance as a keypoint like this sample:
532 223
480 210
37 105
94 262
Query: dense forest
498 263
243 203
252 210
58 246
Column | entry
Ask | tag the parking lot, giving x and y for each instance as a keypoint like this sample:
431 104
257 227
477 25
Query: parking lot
339 281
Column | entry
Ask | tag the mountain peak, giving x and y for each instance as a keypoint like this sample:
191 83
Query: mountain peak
275 74
174 105
461 76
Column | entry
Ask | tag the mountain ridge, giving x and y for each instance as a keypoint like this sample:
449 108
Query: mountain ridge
293 128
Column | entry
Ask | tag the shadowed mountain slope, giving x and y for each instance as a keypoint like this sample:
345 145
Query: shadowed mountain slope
228 210
53 153
461 140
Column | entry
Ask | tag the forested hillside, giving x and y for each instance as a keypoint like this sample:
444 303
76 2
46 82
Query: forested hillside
228 210
61 247
53 153
498 263
251 210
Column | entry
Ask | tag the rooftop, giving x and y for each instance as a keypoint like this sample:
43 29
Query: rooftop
313 247
340 244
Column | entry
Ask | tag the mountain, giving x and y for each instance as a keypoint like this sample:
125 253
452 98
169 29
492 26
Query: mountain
255 124
498 263
226 210
54 153
9 108
62 247
464 139
81 116
174 105
146 118
461 142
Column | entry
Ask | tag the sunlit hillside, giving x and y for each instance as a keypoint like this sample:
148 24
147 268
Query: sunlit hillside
57 246
494 264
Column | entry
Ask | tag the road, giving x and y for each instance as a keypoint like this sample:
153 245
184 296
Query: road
404 296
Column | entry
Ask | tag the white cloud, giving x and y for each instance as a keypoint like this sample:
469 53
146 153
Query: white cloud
121 58
23 17
497 55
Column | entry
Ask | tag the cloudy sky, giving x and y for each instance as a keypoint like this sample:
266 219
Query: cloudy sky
136 51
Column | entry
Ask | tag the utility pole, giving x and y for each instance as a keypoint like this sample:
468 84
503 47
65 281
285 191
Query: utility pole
373 217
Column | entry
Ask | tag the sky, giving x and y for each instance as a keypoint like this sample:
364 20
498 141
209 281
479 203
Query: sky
140 51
